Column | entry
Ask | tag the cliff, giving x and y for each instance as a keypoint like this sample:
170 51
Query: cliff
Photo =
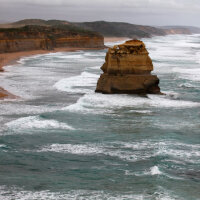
107 29
47 38
127 69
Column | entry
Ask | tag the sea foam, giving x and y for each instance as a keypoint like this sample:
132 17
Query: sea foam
132 151
99 103
36 122
77 84
188 73
7 193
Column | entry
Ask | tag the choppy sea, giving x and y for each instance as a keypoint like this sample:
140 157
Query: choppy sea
61 140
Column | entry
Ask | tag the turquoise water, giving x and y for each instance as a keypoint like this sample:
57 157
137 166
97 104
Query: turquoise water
63 141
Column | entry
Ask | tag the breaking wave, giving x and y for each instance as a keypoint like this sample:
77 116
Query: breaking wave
36 122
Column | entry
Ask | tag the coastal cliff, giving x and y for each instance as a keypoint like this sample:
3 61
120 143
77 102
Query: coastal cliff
127 69
47 38
107 29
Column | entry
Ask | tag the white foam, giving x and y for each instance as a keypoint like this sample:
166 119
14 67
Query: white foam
188 73
100 103
90 149
155 170
188 156
36 122
84 57
2 146
172 94
10 108
95 54
172 124
151 172
95 67
132 151
76 56
79 149
77 84
10 193
188 85
187 70
140 111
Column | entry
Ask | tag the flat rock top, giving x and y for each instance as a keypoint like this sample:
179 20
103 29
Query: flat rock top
129 47
134 43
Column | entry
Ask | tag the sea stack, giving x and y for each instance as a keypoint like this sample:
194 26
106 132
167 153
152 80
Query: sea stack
127 70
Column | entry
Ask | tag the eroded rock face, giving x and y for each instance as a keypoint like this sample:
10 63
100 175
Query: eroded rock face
15 45
127 69
46 38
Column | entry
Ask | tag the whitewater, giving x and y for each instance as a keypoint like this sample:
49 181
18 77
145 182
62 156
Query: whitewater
61 140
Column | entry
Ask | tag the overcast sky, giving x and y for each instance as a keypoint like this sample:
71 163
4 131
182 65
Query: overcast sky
147 12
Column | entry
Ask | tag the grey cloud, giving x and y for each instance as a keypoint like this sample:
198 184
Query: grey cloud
151 12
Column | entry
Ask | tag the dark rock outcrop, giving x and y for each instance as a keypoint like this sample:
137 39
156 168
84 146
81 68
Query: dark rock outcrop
128 70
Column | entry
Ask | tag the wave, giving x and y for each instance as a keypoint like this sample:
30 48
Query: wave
100 103
188 73
132 151
151 172
8 193
79 149
77 84
3 148
83 57
90 149
188 85
141 111
96 54
155 170
36 122
18 108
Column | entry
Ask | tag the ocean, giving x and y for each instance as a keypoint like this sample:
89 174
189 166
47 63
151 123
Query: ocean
61 140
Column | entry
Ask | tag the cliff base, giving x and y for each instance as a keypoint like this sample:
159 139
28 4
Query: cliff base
128 84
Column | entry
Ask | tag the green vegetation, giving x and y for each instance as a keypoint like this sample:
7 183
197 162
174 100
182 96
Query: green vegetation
37 31
120 29
107 29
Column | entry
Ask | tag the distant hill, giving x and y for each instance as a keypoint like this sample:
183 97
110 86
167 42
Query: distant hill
37 22
108 29
120 29
57 31
40 22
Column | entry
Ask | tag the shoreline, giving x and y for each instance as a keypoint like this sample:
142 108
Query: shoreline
12 58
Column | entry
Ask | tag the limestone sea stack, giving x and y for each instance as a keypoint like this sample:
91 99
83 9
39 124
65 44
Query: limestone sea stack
127 70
